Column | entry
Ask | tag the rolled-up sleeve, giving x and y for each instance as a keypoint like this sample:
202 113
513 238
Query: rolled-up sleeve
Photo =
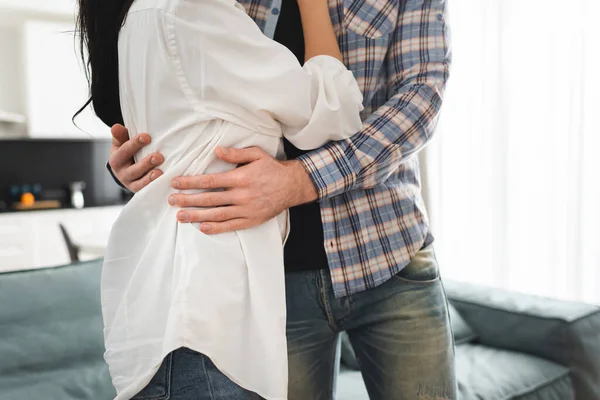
419 58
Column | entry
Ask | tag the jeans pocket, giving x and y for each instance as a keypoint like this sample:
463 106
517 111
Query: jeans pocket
159 387
422 269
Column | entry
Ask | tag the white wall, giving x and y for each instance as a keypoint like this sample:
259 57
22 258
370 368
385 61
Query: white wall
41 75
50 9
55 83
11 70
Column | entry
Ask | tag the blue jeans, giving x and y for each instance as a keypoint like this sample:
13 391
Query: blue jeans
188 375
400 333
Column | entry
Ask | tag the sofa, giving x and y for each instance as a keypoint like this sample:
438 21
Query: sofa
512 346
509 346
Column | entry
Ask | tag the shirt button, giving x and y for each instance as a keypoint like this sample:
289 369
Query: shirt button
275 11
440 17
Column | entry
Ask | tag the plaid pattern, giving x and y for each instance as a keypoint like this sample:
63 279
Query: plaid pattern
373 215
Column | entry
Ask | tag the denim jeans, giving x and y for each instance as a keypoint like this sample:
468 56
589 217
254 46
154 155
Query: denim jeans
188 375
400 333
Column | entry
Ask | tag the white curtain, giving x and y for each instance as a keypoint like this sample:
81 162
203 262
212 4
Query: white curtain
514 172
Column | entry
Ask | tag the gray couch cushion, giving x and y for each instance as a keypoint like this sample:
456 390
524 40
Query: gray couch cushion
566 333
490 374
461 330
51 344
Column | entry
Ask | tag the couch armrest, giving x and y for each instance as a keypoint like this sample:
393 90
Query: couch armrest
567 333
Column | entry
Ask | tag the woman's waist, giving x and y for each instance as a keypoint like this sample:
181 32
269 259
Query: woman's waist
197 144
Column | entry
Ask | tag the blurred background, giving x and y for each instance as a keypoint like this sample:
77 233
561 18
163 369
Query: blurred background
513 175
511 180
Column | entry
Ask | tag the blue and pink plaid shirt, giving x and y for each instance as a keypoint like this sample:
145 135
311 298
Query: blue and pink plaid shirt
374 219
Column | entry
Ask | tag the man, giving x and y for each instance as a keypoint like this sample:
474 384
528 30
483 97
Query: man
359 257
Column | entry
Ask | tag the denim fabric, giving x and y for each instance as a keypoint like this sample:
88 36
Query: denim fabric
188 375
400 332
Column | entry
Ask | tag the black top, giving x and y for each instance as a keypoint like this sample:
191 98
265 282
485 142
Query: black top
304 249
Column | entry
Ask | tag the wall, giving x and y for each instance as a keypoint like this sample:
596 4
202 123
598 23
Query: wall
41 73
12 95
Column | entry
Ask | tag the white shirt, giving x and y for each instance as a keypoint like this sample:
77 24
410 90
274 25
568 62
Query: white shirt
198 74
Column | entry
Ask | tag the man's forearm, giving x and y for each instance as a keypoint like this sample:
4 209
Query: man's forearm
368 159
406 122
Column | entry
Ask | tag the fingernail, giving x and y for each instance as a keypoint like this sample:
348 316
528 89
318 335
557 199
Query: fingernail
175 184
183 217
173 200
154 160
205 228
225 150
152 175
143 140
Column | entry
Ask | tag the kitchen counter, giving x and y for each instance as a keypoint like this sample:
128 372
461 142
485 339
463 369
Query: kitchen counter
4 210
33 239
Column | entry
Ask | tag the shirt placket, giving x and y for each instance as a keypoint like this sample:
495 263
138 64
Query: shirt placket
272 18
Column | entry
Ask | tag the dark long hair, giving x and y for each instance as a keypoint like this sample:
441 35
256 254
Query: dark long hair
98 25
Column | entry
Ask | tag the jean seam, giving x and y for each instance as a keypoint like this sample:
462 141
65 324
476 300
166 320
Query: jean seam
333 371
167 394
169 375
207 376
326 304
424 283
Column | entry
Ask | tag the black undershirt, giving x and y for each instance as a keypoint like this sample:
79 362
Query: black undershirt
304 249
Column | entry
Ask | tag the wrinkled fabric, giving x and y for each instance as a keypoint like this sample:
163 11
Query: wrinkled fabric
197 75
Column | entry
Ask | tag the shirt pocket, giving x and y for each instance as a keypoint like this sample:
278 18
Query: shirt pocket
370 18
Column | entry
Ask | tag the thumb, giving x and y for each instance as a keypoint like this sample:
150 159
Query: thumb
240 156
120 134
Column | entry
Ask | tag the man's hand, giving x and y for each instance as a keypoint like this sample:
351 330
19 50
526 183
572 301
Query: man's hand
134 176
252 194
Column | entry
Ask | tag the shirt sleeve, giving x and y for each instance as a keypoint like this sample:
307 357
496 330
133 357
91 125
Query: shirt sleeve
419 59
336 103
231 70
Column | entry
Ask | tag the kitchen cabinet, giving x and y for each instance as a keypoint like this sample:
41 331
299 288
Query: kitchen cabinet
33 239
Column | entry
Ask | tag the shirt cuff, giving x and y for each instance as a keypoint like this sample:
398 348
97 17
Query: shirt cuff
329 170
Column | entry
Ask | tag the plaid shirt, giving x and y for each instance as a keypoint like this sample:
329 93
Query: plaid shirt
374 219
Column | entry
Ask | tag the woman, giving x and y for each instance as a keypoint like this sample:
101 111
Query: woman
199 75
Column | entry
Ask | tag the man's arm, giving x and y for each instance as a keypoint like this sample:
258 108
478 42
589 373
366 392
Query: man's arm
420 60
264 187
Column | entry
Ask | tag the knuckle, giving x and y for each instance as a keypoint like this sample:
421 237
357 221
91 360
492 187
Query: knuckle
112 162
194 216
220 214
239 178
134 187
182 201
238 152
209 182
208 200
